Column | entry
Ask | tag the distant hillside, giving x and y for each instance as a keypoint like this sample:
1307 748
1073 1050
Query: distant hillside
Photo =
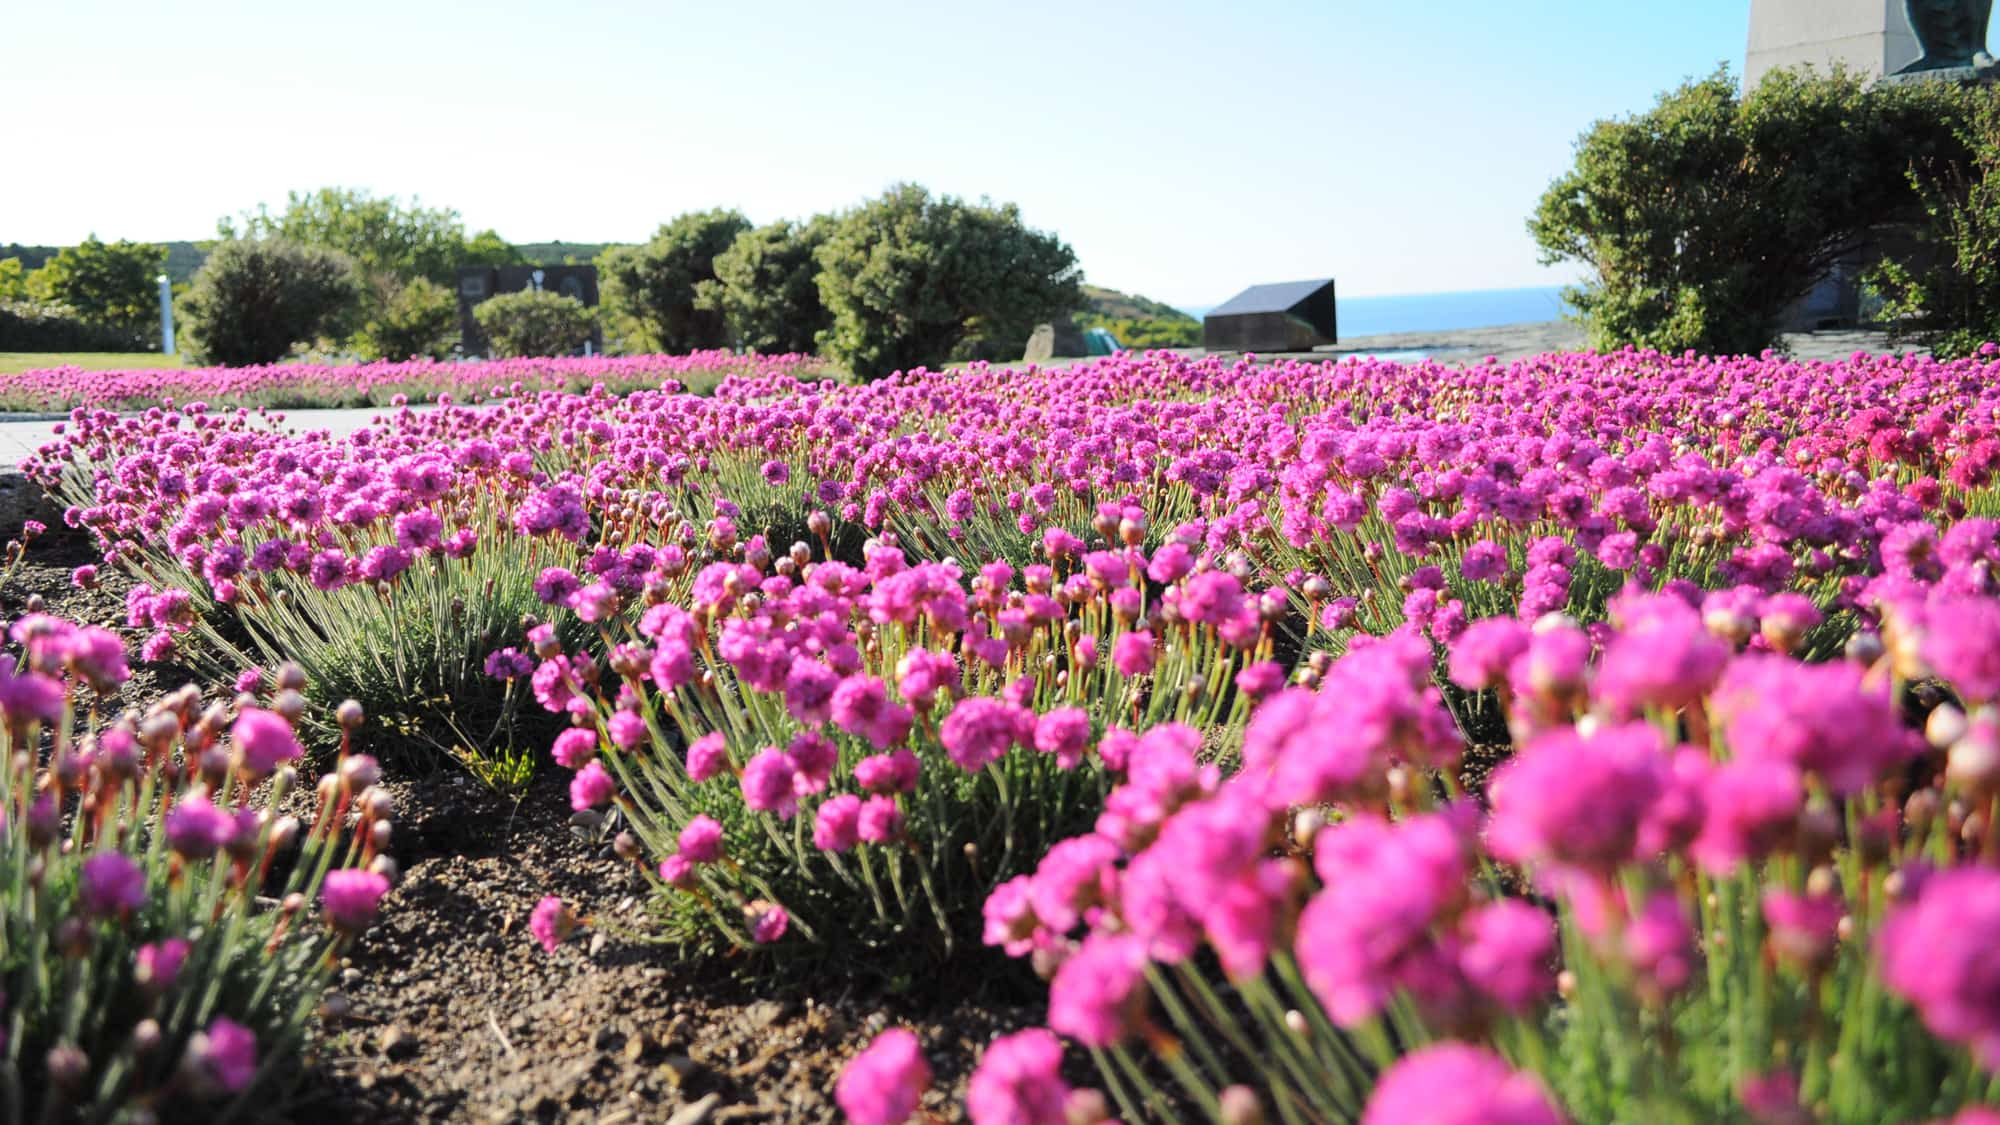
1137 322
1113 305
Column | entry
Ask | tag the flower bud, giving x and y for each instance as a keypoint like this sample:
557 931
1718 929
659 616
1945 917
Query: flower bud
383 865
377 804
626 846
819 524
359 772
1296 1021
291 677
349 714
1239 1106
1085 1107
291 705
145 1037
68 1067
284 833
1945 725
74 937
1974 759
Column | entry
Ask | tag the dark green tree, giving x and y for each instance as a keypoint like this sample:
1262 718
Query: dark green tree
912 281
421 319
651 291
1704 218
487 248
391 243
766 287
253 299
533 322
1948 296
109 283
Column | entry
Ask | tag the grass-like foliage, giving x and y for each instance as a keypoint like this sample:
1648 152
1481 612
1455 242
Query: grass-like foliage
167 930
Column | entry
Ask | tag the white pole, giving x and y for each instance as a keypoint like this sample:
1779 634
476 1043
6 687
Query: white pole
166 315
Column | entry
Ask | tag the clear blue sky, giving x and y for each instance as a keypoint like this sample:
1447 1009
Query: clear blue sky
1184 149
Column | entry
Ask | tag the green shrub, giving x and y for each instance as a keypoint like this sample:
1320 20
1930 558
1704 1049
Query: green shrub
255 298
41 326
651 291
1704 218
766 286
533 322
167 930
1951 301
421 319
913 281
114 284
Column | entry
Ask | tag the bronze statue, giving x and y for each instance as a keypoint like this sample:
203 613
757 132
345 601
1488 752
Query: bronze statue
1952 34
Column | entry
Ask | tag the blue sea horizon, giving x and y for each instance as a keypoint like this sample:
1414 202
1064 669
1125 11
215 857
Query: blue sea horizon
1440 312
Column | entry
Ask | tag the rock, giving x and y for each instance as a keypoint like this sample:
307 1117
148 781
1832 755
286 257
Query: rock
637 1046
397 1043
1060 338
678 1070
763 1014
697 1112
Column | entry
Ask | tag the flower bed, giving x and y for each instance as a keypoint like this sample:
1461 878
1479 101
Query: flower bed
840 666
292 385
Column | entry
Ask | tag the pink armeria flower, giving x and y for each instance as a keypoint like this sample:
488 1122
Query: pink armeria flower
628 730
157 965
1661 656
768 785
1064 732
110 885
227 1052
1577 802
701 840
591 787
1750 805
1963 645
1818 717
1097 997
551 922
837 824
196 828
888 773
1659 945
1508 949
1458 1084
264 740
1132 653
352 897
980 731
880 820
707 756
882 1084
575 748
1937 953
1803 927
768 921
1019 1081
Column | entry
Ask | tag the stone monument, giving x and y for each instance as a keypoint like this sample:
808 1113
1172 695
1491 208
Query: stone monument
1876 38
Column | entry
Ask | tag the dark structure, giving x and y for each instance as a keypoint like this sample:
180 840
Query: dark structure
476 283
1952 34
1291 316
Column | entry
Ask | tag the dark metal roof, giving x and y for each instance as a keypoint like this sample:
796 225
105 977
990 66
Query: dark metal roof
1278 297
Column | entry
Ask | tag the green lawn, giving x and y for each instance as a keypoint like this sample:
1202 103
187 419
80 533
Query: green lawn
14 362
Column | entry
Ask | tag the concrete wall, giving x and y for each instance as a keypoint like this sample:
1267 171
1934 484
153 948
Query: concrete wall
1869 36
